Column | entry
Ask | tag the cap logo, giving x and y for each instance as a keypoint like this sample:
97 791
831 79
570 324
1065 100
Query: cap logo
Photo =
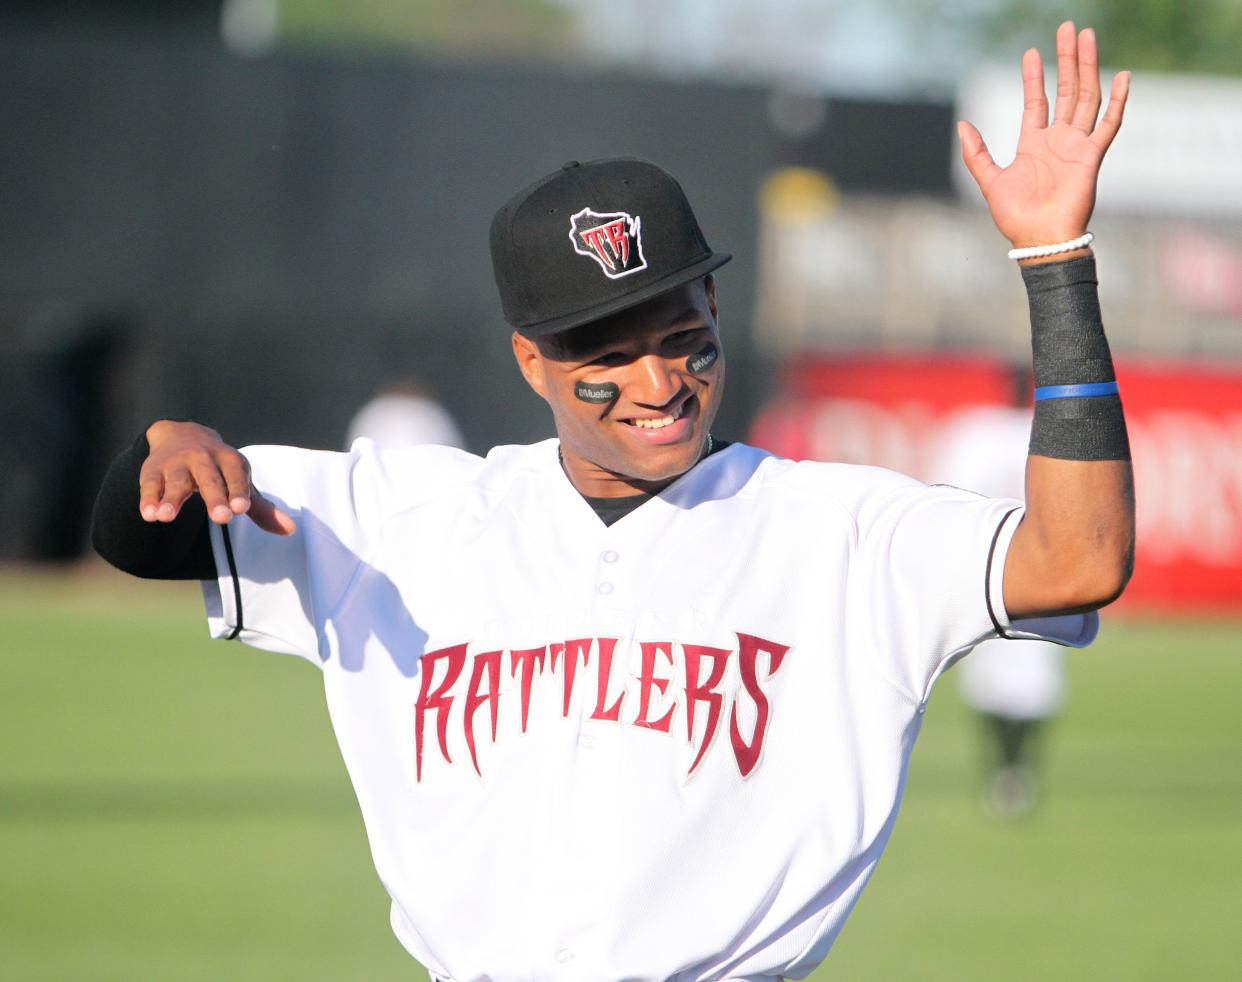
614 240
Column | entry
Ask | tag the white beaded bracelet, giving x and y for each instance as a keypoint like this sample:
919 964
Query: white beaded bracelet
1030 252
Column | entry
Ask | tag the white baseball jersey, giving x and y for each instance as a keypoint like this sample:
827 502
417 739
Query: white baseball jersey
672 748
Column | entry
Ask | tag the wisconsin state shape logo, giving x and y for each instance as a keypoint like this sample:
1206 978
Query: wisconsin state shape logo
614 240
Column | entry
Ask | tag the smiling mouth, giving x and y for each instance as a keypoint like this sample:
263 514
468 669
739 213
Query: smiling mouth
659 422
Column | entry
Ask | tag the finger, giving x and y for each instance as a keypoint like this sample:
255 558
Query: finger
212 487
1034 98
178 485
150 490
1088 106
1110 123
975 155
236 471
268 517
1067 73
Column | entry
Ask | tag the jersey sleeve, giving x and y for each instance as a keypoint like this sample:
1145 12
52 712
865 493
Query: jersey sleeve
276 592
279 592
932 563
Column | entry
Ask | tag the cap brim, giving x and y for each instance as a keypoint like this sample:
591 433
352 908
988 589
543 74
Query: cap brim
653 289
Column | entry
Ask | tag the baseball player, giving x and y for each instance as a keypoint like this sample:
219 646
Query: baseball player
634 702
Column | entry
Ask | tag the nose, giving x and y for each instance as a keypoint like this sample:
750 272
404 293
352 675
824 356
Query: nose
656 381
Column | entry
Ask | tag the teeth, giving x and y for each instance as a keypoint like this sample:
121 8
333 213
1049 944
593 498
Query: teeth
660 423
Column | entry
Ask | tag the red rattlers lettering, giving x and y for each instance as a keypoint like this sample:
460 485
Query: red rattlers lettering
647 680
657 680
751 648
574 652
489 663
528 661
613 712
704 691
439 701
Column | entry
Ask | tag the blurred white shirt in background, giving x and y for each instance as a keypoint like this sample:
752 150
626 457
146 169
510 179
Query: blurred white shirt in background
984 449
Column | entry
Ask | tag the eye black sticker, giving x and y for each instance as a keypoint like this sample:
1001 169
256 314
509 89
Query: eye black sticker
597 392
701 362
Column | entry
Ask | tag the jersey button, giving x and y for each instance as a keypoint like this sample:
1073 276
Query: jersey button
610 556
586 741
605 588
565 956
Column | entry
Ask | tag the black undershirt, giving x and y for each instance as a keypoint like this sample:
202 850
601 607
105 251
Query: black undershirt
612 510
181 549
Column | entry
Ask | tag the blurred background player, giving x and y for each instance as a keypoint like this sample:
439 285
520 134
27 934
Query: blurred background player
404 413
1015 686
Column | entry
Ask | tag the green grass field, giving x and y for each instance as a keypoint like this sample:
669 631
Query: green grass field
176 809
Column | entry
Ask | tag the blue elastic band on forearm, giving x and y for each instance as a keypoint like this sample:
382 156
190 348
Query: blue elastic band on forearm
1076 391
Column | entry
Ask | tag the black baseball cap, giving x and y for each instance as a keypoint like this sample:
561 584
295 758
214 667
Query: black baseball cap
593 239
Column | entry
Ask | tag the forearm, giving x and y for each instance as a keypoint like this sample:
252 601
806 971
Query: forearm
177 550
1077 537
1074 549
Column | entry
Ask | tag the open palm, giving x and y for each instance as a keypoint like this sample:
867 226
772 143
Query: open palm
1047 194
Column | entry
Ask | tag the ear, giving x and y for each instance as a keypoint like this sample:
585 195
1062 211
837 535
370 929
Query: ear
709 290
530 363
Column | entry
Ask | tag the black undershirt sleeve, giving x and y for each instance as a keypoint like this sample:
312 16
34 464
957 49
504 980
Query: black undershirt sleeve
176 550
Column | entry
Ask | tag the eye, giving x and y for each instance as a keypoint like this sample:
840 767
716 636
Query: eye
684 338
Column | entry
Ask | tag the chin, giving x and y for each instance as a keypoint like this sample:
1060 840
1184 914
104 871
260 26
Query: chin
662 463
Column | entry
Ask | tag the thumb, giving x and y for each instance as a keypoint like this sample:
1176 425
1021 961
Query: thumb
975 155
268 517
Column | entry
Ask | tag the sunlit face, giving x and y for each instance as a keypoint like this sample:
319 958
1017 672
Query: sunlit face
655 426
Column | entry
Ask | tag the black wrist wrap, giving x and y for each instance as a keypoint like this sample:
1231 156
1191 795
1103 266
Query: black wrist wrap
1069 348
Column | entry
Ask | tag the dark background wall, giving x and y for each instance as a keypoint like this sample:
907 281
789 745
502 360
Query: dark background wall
258 243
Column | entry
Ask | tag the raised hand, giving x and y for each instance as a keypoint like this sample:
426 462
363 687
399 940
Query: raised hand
187 457
1047 194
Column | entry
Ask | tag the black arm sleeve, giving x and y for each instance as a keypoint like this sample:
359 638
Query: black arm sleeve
177 550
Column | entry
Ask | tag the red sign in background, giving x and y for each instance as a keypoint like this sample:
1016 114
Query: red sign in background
1185 424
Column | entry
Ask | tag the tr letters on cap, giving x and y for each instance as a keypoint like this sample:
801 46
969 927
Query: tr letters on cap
614 240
